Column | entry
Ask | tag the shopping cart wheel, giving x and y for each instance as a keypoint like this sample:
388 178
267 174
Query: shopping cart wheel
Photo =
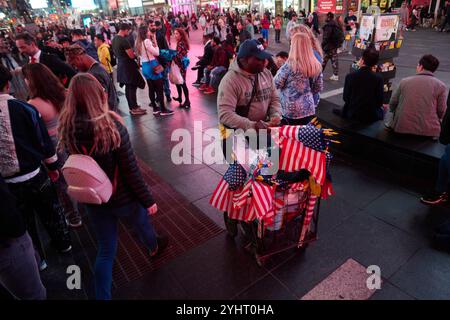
231 225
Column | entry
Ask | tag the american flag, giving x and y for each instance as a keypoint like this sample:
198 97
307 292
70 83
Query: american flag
309 212
221 197
235 176
240 199
295 155
312 137
263 196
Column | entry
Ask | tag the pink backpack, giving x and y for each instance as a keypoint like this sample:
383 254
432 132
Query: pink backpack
86 180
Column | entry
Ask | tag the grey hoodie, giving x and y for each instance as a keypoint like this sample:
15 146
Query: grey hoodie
236 88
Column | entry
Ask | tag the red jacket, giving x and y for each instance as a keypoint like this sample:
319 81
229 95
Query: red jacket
220 58
265 23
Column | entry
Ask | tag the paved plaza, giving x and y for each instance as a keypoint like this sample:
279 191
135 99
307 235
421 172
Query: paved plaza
374 219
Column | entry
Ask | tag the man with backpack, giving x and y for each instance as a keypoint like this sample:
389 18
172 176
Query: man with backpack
79 38
333 38
78 57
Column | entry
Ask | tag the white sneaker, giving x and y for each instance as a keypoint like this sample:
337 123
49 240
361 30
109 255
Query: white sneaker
43 265
334 78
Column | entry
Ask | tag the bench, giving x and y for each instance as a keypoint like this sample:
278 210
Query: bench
406 154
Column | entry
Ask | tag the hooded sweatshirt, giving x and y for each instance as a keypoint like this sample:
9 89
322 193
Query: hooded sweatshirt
236 90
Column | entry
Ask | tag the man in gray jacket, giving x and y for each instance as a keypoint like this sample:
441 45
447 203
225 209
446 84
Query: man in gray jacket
247 100
247 95
419 103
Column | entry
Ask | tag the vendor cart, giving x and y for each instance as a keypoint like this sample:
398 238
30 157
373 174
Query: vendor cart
279 212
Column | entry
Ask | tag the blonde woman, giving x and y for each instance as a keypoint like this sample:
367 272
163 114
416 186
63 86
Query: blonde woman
317 47
87 124
298 80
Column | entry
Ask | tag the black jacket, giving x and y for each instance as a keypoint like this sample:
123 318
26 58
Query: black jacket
363 95
11 220
444 138
161 39
330 30
131 186
27 144
207 56
61 69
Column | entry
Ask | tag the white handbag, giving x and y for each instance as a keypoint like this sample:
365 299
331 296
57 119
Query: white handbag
175 74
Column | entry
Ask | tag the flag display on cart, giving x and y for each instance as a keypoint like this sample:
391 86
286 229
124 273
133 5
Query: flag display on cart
220 198
295 156
308 217
235 176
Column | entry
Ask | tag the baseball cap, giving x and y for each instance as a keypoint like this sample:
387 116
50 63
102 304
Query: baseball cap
252 48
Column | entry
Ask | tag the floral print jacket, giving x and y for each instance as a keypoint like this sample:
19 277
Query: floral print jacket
181 53
297 92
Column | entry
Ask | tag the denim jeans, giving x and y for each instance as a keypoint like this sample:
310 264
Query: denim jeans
444 171
19 272
265 34
207 75
166 81
216 76
105 223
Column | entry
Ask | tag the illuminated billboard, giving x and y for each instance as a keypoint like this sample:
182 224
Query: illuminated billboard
135 3
38 4
84 4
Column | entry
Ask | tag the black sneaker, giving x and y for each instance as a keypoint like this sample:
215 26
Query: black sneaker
167 113
434 198
156 112
163 242
197 84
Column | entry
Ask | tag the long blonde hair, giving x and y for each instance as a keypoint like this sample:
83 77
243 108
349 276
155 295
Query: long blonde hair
87 101
314 41
301 56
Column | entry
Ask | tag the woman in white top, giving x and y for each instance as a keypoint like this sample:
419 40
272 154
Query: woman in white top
147 49
222 30
202 21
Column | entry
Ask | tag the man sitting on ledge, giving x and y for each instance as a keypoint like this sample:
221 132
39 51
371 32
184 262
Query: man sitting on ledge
363 91
419 103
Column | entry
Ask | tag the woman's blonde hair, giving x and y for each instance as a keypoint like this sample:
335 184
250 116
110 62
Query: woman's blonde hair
301 56
314 41
87 101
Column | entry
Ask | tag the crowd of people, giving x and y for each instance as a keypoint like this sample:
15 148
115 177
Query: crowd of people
58 98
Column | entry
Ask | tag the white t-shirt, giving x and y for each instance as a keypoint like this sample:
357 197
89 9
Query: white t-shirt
148 51
202 21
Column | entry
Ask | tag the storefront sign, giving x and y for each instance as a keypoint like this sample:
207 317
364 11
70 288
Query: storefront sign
325 6
386 28
366 27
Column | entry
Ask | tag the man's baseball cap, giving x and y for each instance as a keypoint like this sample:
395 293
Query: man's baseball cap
252 48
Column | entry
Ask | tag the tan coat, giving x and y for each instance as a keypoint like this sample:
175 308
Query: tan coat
419 104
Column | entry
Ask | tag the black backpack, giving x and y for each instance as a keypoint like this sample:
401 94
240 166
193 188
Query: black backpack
338 36
113 61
